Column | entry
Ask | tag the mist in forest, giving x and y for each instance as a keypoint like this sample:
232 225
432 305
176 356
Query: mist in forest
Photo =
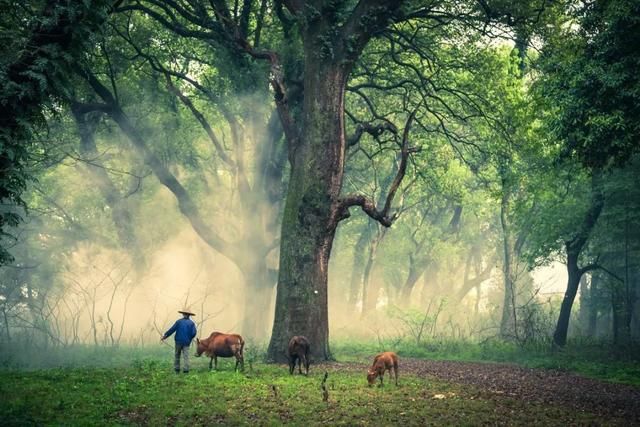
85 290
160 182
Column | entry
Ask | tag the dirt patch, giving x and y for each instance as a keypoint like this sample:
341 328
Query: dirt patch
496 380
137 416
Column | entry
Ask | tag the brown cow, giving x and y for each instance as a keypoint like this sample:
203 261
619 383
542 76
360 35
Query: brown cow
222 345
383 362
298 350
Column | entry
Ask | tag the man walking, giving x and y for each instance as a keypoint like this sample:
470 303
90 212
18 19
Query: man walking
185 331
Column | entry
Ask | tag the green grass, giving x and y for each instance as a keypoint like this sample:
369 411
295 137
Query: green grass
137 386
147 392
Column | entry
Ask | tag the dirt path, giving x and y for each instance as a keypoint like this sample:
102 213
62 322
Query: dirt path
536 385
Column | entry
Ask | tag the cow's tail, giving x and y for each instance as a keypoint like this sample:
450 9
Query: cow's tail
241 346
241 354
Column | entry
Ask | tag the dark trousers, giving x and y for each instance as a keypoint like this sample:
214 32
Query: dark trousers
184 350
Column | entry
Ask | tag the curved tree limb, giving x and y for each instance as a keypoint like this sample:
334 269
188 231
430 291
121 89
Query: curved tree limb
341 208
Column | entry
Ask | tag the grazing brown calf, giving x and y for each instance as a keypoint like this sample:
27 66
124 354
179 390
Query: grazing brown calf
222 345
298 350
383 362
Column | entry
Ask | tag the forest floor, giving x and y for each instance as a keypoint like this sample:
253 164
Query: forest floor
510 385
430 392
542 386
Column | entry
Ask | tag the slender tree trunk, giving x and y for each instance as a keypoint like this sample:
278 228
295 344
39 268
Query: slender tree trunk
357 270
371 289
560 334
583 314
573 248
592 315
6 323
508 320
430 284
476 305
412 278
635 315
621 331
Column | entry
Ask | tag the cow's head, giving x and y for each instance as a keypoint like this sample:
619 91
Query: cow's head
200 347
371 377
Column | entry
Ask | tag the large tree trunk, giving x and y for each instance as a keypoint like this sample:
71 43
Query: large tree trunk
308 225
313 206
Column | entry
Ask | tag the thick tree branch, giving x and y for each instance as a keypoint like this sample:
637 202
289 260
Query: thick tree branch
341 209
374 130
186 205
368 18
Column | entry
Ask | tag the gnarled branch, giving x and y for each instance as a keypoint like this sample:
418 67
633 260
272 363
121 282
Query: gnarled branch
341 208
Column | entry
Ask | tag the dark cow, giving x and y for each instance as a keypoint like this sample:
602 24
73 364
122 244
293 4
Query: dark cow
383 362
222 345
298 350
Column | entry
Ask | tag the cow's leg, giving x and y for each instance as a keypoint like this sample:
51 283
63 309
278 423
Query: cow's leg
240 360
292 364
210 362
395 370
215 362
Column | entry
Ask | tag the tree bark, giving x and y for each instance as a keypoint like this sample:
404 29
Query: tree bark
308 225
313 206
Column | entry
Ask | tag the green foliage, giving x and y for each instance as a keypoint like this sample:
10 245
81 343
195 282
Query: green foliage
591 77
49 42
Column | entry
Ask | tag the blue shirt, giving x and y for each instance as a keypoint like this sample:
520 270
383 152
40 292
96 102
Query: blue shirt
185 331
